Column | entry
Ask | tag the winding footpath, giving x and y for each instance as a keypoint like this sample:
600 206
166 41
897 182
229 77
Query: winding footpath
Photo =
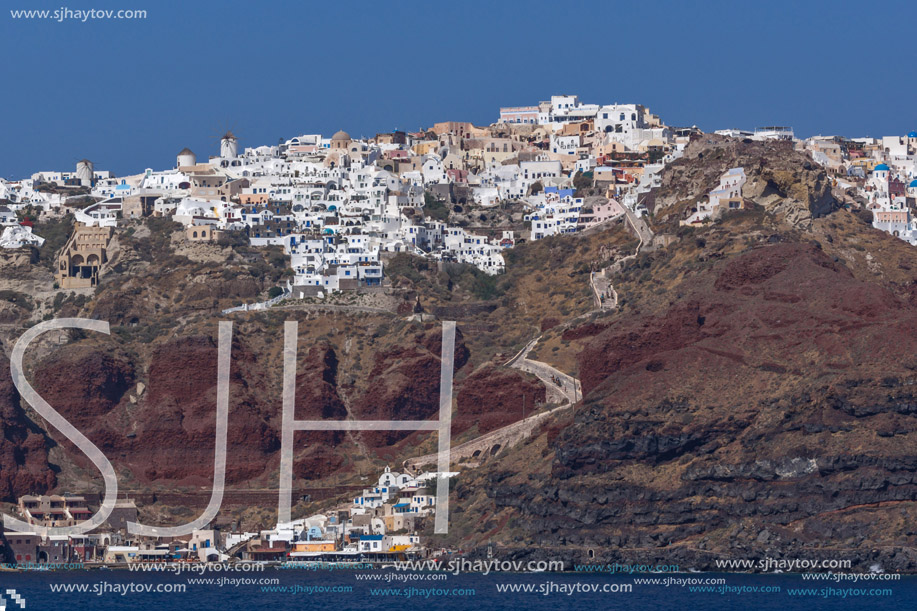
605 295
560 386
488 444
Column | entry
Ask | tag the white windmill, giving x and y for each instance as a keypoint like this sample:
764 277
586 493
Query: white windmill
85 172
185 158
229 146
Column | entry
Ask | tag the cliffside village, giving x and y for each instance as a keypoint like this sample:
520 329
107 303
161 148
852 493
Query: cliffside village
879 172
382 524
338 205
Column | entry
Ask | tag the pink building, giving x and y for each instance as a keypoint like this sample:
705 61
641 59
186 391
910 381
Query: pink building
600 213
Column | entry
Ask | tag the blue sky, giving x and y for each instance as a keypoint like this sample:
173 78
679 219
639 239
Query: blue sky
131 94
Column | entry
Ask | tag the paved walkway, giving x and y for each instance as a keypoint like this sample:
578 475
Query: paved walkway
503 437
644 233
604 294
560 386
335 307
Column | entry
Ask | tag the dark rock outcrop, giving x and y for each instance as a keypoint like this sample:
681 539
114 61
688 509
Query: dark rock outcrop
775 393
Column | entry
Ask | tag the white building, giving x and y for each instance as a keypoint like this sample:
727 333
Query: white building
727 196
19 236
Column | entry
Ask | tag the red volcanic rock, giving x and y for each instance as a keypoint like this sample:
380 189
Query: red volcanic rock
603 356
165 434
317 398
169 434
783 320
774 392
316 386
84 383
315 460
793 290
177 423
433 341
405 384
492 397
588 330
24 465
743 271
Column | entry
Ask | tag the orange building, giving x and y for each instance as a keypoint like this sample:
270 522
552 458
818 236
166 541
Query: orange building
254 198
313 546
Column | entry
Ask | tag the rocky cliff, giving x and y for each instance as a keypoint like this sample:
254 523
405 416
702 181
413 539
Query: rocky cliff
752 394
24 465
786 182
763 404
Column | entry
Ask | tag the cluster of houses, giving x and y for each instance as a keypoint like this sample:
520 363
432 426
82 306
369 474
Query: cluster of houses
339 205
880 172
53 511
382 523
20 236
883 173
16 234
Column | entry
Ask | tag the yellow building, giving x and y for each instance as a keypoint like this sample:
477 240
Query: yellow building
427 146
400 548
